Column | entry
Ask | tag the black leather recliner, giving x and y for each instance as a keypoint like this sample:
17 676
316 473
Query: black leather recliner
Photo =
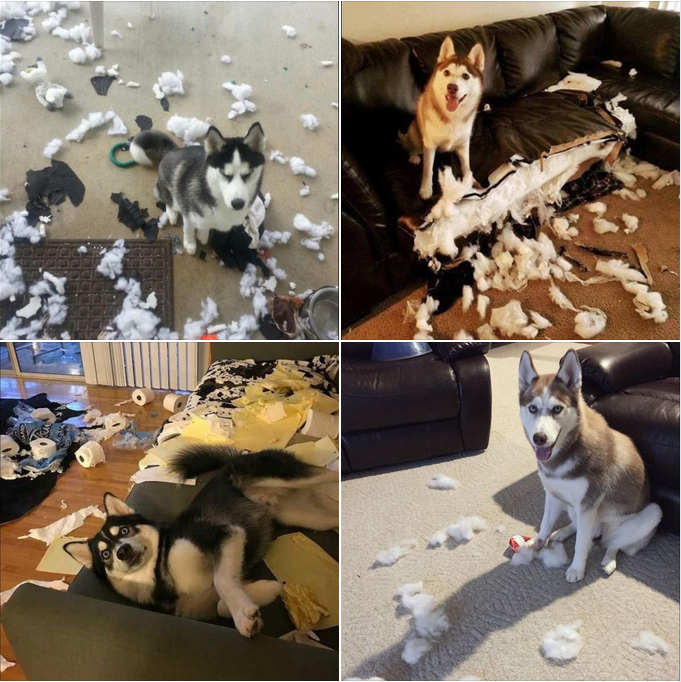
401 411
381 83
635 386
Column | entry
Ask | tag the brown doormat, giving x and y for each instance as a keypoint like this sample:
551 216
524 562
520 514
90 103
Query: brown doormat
91 298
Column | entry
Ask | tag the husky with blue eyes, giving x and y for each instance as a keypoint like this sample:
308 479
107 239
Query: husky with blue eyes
587 469
212 187
198 565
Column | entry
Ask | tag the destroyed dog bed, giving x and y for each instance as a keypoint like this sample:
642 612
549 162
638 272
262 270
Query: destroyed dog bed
91 299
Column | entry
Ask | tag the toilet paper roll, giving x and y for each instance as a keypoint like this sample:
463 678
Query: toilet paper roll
174 402
42 448
8 446
142 396
90 455
320 424
44 414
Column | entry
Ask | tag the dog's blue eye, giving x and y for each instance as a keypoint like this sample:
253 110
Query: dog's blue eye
557 409
105 554
532 408
466 76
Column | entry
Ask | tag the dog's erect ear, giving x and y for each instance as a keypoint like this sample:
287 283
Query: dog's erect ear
570 372
527 373
80 551
116 507
446 50
214 140
477 57
255 138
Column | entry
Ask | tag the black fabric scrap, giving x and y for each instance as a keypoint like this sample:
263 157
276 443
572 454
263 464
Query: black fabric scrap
134 217
13 28
165 104
603 252
51 186
233 249
589 187
447 285
101 84
144 122
202 255
562 251
270 330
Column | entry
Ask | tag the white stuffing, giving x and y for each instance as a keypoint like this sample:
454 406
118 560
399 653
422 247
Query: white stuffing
277 156
101 70
289 31
241 93
132 84
409 589
327 62
169 83
509 319
624 115
630 222
442 482
467 297
82 249
52 147
269 238
415 649
116 33
612 62
463 335
113 71
665 180
117 126
564 643
597 207
576 81
299 167
194 329
589 323
632 73
500 528
483 303
4 194
129 25
313 233
226 59
554 555
80 33
305 191
111 264
648 641
310 121
187 129
31 308
523 556
563 230
136 319
620 270
601 226
425 310
439 538
93 120
466 527
387 557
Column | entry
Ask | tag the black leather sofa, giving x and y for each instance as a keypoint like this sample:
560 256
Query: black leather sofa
381 83
401 411
635 386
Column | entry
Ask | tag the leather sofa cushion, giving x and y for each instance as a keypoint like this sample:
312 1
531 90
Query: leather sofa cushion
665 389
397 393
426 48
643 38
580 35
653 424
528 53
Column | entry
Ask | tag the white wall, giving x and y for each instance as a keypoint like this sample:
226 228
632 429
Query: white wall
364 21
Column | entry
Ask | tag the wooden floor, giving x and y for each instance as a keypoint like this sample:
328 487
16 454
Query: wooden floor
78 487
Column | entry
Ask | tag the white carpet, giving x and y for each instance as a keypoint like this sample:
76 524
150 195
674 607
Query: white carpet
498 613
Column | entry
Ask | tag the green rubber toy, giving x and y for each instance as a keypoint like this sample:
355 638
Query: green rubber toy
115 161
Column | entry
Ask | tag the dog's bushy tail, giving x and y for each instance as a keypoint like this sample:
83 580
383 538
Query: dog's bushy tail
200 459
150 146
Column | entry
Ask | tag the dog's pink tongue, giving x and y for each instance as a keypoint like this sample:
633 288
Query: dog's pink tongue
452 103
543 453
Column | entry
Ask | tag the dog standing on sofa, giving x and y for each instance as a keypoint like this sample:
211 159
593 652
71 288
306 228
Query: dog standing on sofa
197 565
446 111
587 469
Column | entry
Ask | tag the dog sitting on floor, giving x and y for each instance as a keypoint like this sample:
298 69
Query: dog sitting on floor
587 469
197 566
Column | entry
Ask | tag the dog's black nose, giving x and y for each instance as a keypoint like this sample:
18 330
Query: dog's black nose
452 88
539 438
123 552
238 204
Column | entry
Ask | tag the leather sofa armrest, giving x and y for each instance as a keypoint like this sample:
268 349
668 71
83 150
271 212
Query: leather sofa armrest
64 636
358 192
610 367
453 351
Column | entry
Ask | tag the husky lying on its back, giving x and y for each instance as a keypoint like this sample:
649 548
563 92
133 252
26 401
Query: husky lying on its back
212 187
587 468
196 566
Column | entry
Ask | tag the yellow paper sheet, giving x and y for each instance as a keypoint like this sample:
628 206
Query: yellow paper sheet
201 429
318 453
252 433
294 558
272 412
56 560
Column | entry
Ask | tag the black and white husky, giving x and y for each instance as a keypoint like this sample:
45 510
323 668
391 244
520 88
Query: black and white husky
212 187
587 469
197 566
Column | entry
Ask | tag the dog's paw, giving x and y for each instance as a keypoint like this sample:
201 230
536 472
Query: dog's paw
415 159
249 622
172 217
426 192
190 248
537 544
609 565
574 574
203 236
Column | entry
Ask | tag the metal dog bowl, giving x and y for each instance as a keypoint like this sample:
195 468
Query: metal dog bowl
319 315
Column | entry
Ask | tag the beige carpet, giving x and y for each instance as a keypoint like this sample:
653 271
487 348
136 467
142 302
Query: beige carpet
658 231
287 79
498 613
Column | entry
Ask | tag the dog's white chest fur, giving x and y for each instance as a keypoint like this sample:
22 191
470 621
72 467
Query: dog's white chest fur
568 490
192 575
